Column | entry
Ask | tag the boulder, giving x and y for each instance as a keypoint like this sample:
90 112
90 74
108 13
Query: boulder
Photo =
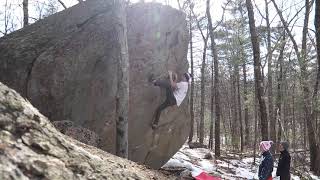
81 134
63 125
65 65
31 148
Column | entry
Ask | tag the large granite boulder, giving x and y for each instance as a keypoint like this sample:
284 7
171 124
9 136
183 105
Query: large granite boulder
65 65
31 148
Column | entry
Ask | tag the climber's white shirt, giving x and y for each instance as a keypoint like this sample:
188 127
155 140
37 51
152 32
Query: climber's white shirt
181 91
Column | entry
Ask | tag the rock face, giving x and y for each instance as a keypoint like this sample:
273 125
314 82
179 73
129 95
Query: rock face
31 148
157 41
66 66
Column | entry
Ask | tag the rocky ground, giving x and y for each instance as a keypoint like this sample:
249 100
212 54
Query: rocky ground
31 148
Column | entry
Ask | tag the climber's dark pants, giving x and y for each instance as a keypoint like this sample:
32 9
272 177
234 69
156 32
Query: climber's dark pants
170 99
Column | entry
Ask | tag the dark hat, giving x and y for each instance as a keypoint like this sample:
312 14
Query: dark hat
285 145
187 76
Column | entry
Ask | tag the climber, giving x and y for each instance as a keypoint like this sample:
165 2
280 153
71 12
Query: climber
175 92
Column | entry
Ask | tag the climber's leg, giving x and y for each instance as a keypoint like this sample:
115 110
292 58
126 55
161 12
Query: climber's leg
165 83
170 101
158 112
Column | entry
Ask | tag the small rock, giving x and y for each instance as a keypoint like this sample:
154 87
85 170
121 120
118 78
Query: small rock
208 156
193 145
186 174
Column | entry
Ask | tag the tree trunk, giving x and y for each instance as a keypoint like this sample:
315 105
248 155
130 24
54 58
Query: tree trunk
192 81
279 90
256 117
315 149
313 144
122 101
216 84
293 127
285 106
239 108
25 13
202 90
257 71
202 83
246 110
211 109
279 95
272 121
305 133
244 139
235 139
317 25
196 107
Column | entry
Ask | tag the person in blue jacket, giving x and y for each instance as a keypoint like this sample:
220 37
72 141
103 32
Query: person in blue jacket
266 165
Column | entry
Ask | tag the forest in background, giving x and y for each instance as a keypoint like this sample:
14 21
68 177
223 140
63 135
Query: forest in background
258 77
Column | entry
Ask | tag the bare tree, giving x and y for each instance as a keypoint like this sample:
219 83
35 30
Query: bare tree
272 124
216 82
62 4
246 109
245 139
202 83
25 12
279 89
256 116
9 24
239 107
257 71
122 101
202 96
316 147
192 76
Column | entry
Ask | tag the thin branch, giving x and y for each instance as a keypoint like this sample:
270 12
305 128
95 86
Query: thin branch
289 22
222 17
298 12
312 41
64 6
259 10
198 24
285 24
179 5
2 32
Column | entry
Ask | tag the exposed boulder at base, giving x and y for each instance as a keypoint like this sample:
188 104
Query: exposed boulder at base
81 134
65 65
31 148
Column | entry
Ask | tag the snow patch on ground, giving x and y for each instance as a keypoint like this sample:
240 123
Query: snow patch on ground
207 165
315 177
231 169
180 155
244 172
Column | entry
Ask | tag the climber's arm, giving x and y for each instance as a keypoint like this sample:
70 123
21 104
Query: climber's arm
172 82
